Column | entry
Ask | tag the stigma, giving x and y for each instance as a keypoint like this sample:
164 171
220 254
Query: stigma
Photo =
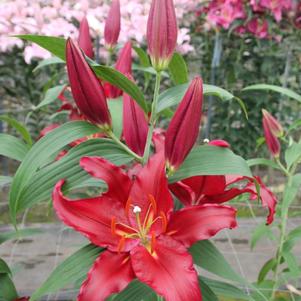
136 209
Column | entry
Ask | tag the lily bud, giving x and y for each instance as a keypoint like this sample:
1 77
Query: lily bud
183 129
84 38
112 25
86 88
124 66
272 129
135 125
273 123
162 32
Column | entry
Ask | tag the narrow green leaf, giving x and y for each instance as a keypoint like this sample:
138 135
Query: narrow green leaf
5 180
267 267
40 186
116 107
57 47
291 191
292 264
260 231
12 147
171 97
143 57
7 288
262 161
48 62
210 160
19 234
208 257
292 238
50 96
4 269
295 125
69 271
207 292
285 91
40 153
293 154
19 127
178 69
225 289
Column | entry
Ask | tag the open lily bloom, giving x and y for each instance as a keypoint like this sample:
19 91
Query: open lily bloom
145 238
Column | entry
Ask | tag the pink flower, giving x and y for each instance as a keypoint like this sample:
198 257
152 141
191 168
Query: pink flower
258 27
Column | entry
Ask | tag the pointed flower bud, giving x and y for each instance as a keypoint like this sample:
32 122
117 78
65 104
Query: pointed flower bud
112 25
183 129
86 89
124 66
84 38
135 125
162 32
272 129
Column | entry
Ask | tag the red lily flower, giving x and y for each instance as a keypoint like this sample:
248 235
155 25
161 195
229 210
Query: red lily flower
272 130
84 38
112 25
87 90
144 237
135 125
184 127
199 190
123 65
162 33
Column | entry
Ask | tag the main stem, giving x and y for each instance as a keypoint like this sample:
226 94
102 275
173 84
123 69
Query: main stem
153 118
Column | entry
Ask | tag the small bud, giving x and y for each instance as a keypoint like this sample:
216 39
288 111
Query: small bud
162 32
183 129
219 143
84 38
272 129
112 25
86 88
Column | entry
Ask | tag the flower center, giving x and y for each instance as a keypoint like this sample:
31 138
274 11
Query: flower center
144 222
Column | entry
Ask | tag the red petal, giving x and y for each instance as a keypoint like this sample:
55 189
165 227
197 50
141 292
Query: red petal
118 182
111 273
151 180
191 224
219 143
169 270
92 217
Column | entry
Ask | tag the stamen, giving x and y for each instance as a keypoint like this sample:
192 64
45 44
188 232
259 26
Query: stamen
121 244
137 210
164 221
128 206
153 203
153 242
113 225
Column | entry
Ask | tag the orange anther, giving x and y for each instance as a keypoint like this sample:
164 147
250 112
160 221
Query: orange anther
128 206
153 203
164 221
153 242
121 244
113 225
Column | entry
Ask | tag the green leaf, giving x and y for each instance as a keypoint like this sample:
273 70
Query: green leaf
116 110
292 264
171 97
287 92
4 269
292 238
267 267
7 288
40 186
260 231
19 234
57 47
178 69
48 62
293 154
69 271
295 125
12 147
144 62
19 127
211 160
208 257
225 289
290 192
264 162
40 153
207 292
5 180
50 96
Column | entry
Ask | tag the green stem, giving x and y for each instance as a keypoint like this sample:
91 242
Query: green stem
282 167
153 118
123 146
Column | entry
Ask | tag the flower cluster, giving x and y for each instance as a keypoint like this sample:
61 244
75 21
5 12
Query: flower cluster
60 18
253 16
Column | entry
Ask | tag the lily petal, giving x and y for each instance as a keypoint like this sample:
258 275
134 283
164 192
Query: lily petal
91 217
111 273
168 270
118 182
191 224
